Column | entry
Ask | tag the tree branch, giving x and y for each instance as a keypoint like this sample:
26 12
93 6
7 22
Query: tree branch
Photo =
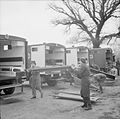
87 8
110 36
112 8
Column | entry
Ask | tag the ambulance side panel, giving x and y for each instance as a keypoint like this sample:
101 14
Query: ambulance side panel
38 55
15 56
71 56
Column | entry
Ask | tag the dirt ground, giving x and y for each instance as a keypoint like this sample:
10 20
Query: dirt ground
22 107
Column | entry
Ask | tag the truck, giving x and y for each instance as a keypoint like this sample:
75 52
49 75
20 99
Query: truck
13 62
101 57
48 55
100 60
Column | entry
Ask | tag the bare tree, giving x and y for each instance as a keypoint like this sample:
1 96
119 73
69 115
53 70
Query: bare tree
89 16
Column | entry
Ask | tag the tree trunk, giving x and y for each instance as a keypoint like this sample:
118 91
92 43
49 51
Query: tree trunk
96 44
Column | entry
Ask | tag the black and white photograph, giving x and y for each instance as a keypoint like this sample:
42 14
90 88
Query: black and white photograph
59 59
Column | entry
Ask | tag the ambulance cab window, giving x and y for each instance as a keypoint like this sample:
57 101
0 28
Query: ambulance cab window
34 49
7 47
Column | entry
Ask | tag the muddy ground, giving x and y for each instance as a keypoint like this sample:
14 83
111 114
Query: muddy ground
22 107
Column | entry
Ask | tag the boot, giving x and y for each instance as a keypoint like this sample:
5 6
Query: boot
33 97
85 104
88 107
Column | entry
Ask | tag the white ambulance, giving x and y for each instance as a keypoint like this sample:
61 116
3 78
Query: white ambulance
48 55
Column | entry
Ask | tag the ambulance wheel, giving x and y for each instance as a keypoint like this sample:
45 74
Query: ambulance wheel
51 82
9 90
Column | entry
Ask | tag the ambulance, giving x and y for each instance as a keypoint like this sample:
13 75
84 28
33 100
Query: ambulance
13 59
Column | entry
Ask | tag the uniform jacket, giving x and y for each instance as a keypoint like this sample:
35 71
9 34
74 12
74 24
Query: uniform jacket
35 79
83 73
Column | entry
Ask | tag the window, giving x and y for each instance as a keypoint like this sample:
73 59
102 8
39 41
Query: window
34 49
59 60
15 70
7 47
5 69
68 51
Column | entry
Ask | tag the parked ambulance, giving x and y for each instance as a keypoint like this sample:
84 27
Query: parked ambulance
13 59
48 55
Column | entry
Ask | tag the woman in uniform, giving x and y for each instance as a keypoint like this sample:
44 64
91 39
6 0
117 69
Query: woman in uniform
83 73
99 79
35 80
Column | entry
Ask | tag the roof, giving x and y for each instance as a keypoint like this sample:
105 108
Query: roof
101 49
10 37
78 47
50 44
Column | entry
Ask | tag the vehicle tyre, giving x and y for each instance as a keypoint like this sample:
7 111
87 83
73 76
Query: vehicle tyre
51 82
9 90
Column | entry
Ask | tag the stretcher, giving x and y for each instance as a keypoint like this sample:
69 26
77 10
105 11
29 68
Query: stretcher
51 68
75 97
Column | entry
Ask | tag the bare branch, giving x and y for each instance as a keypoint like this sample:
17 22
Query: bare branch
110 36
87 7
115 16
112 8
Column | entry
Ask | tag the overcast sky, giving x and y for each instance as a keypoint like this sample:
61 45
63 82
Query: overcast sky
31 20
